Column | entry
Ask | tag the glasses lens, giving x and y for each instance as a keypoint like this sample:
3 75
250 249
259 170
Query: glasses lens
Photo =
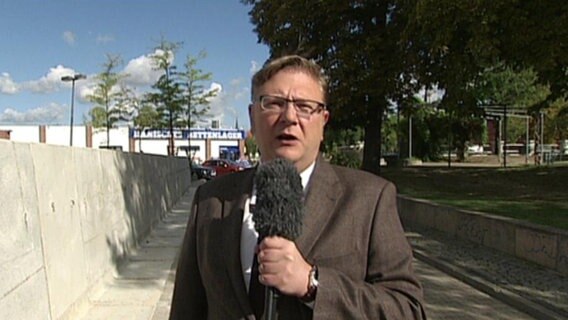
304 108
270 103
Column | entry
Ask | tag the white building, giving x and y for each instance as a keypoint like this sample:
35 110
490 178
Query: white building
199 144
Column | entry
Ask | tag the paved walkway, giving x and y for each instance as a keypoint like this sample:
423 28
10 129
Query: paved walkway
537 291
143 287
447 298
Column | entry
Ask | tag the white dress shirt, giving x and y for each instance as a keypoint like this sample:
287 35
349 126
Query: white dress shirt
249 236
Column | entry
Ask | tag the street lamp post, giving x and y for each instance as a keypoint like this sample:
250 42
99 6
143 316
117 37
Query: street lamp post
72 78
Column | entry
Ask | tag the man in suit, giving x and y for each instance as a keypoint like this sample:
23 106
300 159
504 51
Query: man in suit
352 260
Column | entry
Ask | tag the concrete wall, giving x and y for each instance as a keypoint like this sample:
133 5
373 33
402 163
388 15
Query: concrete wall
69 216
540 244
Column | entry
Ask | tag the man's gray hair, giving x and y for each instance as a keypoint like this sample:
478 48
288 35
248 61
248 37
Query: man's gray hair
292 62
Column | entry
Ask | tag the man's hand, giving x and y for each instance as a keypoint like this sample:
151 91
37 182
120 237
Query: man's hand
282 266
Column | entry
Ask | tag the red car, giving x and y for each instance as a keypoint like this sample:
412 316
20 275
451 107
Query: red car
222 166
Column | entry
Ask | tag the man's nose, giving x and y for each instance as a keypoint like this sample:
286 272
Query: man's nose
289 113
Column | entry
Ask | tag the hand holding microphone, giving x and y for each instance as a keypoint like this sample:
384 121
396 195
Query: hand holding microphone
278 219
282 266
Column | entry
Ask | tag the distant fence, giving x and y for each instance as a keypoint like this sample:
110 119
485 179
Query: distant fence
69 216
543 245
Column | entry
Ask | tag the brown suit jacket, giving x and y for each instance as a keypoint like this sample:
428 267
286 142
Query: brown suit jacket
351 231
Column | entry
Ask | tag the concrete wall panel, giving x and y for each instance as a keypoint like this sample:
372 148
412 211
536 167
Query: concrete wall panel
60 218
562 264
21 255
537 246
500 234
444 218
26 301
69 216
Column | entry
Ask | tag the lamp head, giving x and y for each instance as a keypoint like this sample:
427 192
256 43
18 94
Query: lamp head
74 77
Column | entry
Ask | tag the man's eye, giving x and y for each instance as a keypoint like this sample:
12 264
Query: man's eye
303 106
276 103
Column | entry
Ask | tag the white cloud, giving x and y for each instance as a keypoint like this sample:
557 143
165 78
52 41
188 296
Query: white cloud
241 88
69 37
230 104
84 91
7 85
254 67
103 39
51 81
142 70
215 87
48 114
217 107
237 82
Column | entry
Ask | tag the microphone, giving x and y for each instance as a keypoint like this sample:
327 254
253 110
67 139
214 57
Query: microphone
278 211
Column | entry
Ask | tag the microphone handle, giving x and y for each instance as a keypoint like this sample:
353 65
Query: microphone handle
270 304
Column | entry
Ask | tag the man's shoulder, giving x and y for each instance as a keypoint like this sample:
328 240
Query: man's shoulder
359 178
232 182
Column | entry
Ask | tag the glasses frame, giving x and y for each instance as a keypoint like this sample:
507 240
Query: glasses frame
320 105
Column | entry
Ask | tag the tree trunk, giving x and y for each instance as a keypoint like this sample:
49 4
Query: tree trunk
373 137
376 99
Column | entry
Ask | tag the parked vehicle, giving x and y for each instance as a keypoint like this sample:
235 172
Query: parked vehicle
222 166
202 172
245 164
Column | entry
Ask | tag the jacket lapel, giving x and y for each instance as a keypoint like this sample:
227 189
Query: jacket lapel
233 209
323 192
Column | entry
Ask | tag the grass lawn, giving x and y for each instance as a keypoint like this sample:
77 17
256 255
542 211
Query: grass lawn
535 194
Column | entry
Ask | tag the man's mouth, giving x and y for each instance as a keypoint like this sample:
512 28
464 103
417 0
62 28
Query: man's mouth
286 137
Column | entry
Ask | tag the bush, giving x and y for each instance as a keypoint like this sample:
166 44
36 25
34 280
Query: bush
346 157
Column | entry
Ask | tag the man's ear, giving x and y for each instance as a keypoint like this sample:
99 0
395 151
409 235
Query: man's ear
325 117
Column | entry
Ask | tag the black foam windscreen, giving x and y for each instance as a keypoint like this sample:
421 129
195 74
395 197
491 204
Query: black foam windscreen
279 209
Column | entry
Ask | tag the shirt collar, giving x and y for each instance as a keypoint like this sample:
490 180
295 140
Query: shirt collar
306 174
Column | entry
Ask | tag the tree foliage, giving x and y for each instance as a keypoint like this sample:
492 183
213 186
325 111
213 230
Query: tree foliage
355 41
147 117
503 86
168 92
380 52
179 97
556 128
105 96
197 97
458 44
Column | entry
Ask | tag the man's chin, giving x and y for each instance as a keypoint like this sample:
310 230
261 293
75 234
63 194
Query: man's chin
286 153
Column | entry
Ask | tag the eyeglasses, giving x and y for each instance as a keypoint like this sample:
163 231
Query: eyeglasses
304 108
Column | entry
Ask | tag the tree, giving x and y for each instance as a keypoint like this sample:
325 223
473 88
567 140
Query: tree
342 146
105 95
356 42
251 147
147 117
511 91
195 92
169 95
429 129
97 117
557 126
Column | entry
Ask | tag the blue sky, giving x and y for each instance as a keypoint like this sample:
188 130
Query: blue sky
43 40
